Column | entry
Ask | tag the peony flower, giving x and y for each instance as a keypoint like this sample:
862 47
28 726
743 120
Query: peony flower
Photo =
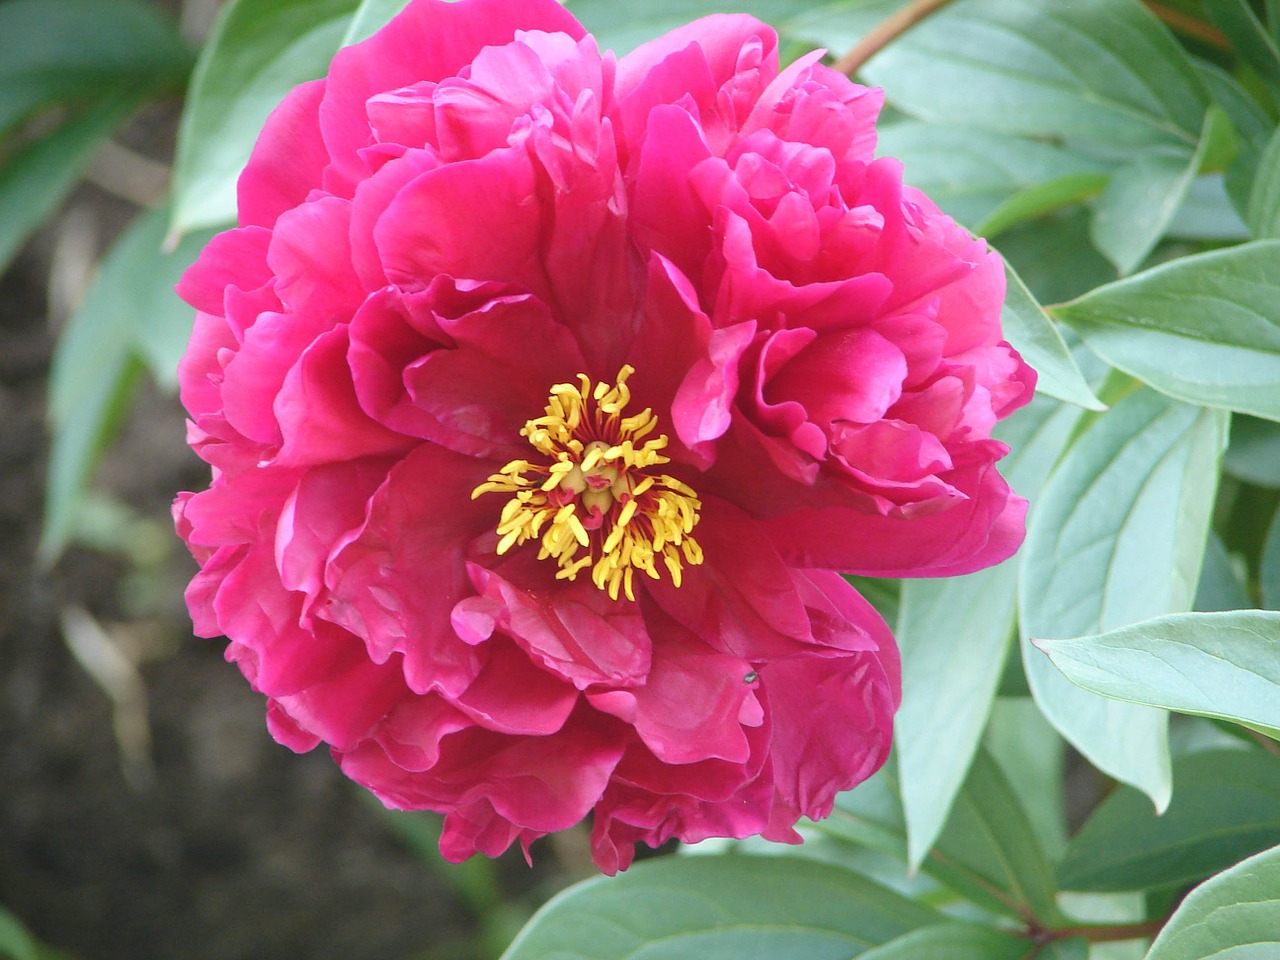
546 393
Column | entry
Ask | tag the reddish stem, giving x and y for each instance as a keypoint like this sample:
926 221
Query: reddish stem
885 32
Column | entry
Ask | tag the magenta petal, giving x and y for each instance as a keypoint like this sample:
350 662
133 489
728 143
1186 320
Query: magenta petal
407 533
511 695
430 40
235 258
832 726
328 503
740 600
319 416
582 636
449 221
690 707
287 160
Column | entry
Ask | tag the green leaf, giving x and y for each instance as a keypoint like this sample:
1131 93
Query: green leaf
1220 588
953 941
130 313
60 50
1117 536
970 173
1040 199
370 17
1077 948
1055 257
1249 39
1207 213
954 634
1031 754
15 942
1204 328
258 51
990 833
720 908
1220 665
1232 916
35 181
1263 211
1142 198
623 27
839 25
164 321
871 816
1226 807
1254 453
1102 72
1269 572
882 594
1249 121
1029 329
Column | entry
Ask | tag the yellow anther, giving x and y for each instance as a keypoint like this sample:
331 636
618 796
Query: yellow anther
596 459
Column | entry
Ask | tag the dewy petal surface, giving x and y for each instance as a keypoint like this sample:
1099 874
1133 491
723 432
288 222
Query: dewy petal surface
547 394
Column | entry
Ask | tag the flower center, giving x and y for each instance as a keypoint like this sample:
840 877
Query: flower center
591 497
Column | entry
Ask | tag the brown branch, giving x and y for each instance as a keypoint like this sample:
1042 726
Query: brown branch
885 32
1189 26
1100 932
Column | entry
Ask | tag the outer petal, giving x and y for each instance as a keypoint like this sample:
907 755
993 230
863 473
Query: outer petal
429 40
287 160
394 582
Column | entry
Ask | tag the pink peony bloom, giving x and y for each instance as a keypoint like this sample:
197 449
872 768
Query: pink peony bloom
544 395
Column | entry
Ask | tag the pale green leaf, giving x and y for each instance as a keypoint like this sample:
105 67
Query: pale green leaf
130 313
870 815
1249 39
1117 536
954 634
1077 948
1263 211
1031 753
621 28
839 25
1103 72
1029 329
1254 453
1226 807
1042 198
1220 587
1269 572
62 50
1204 328
1224 665
989 832
970 173
1140 201
1055 257
35 180
258 51
720 908
953 941
1207 213
15 942
370 17
1232 916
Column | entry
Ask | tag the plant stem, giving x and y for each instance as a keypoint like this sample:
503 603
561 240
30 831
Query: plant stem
1098 932
885 32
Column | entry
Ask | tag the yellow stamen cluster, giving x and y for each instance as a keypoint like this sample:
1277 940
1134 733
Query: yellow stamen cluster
589 498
